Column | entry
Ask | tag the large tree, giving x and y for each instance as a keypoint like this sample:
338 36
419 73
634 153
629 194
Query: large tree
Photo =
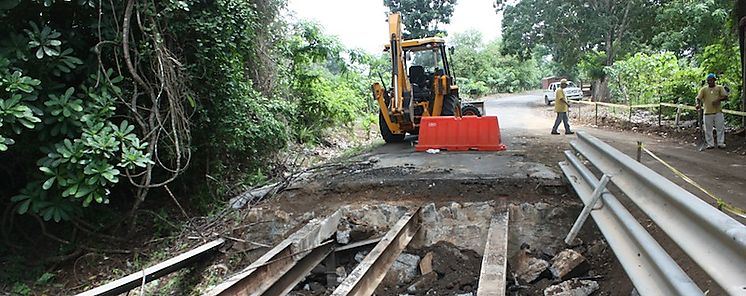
422 18
570 28
686 27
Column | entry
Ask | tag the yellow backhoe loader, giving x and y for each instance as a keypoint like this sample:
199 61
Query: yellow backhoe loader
422 85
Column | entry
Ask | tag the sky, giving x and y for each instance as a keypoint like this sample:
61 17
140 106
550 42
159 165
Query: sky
362 23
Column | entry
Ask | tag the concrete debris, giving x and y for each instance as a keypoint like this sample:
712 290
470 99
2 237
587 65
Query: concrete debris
424 282
573 287
459 224
433 151
426 264
343 236
568 263
360 256
528 268
341 274
404 270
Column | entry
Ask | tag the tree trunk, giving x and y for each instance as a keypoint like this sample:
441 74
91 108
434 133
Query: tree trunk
601 90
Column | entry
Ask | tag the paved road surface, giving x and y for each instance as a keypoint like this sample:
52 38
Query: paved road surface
526 122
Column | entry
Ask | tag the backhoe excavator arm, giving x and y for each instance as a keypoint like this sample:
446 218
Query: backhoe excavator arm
399 75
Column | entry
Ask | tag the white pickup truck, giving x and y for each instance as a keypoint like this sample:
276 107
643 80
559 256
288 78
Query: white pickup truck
571 91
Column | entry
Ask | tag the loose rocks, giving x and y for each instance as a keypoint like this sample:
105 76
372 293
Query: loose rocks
573 287
568 263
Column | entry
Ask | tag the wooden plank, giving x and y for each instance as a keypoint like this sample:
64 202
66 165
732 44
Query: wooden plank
364 279
156 271
268 269
494 263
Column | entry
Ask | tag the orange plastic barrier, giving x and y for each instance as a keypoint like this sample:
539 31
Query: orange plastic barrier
460 133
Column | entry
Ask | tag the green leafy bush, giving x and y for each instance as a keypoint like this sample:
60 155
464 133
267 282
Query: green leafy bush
61 117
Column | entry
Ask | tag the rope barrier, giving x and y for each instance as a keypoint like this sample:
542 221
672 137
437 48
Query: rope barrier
721 204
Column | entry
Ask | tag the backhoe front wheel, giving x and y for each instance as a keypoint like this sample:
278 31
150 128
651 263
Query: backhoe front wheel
386 133
449 105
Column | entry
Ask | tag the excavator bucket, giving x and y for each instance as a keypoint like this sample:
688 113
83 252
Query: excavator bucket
460 133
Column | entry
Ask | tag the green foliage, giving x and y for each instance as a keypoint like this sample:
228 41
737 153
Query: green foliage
686 27
650 78
591 65
60 115
482 69
569 29
422 18
329 89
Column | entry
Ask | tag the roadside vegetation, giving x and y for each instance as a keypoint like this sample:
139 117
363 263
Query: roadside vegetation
122 120
635 51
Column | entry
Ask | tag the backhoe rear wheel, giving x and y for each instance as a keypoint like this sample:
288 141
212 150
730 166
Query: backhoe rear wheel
470 110
386 134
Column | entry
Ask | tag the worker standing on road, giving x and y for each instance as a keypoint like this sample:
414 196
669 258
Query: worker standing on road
711 97
561 106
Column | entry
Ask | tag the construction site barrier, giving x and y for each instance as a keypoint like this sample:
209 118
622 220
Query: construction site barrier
460 133
715 241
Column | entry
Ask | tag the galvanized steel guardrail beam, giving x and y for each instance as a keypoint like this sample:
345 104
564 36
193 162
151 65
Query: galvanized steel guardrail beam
649 267
713 240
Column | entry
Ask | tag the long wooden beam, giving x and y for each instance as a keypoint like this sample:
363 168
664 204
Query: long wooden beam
156 271
494 263
364 279
261 275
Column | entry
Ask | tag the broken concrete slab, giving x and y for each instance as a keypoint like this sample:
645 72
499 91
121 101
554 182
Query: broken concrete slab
573 287
528 268
567 264
404 270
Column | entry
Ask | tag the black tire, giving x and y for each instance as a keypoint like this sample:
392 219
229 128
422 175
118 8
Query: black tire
386 134
449 106
470 110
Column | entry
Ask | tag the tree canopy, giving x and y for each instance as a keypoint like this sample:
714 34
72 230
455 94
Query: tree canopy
422 18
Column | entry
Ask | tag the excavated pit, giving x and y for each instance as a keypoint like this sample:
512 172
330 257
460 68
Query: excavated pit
458 201
451 244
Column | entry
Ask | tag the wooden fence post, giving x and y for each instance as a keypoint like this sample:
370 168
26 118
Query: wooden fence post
596 113
660 114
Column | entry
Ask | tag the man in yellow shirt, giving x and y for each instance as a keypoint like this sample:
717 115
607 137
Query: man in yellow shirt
711 97
561 106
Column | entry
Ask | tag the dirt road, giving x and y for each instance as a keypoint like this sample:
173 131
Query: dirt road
526 122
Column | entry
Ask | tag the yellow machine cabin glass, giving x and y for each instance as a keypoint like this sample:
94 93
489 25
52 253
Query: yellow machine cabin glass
430 59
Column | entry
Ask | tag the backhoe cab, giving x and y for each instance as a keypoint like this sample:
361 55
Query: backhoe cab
421 85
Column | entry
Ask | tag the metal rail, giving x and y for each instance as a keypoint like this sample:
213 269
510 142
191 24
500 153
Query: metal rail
495 261
156 271
649 267
715 241
285 264
364 279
